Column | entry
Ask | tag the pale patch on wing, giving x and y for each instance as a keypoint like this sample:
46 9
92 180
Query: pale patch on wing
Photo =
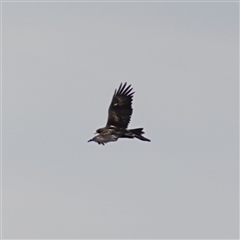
102 139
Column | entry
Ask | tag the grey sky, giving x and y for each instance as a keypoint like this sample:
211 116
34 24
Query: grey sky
61 64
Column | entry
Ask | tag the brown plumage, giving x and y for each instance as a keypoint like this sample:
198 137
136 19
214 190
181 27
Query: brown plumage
119 116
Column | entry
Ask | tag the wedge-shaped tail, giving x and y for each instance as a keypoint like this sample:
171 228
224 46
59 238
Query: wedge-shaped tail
138 134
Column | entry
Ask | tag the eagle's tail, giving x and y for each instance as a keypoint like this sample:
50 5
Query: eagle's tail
138 134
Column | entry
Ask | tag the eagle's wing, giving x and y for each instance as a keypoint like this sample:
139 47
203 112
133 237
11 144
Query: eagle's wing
105 137
120 110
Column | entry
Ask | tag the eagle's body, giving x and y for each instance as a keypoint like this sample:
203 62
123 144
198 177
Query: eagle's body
119 116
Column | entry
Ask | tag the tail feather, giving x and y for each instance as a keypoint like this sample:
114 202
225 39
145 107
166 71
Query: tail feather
138 134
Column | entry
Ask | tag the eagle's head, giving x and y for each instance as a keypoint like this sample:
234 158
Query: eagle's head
100 130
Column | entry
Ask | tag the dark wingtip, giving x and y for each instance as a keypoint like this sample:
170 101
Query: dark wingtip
124 89
90 140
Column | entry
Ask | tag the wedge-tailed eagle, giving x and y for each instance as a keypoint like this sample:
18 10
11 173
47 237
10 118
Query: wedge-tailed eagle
119 116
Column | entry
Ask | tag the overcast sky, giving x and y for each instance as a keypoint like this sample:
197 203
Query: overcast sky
61 65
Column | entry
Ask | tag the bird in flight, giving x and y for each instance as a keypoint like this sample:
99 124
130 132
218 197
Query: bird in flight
119 116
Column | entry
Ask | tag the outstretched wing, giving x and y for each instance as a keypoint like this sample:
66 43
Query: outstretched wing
105 137
120 110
